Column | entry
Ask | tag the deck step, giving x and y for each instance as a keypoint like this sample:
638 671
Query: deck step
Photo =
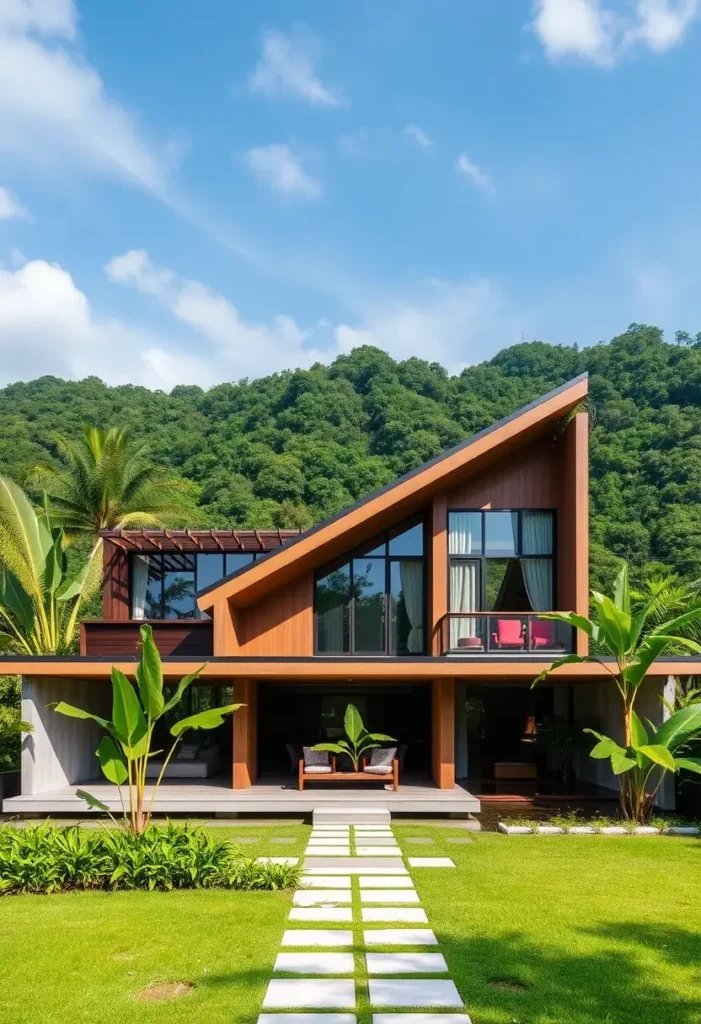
350 814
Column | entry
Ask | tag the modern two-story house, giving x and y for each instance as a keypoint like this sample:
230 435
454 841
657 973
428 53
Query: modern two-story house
421 604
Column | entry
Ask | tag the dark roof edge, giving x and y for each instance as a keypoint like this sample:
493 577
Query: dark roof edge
400 480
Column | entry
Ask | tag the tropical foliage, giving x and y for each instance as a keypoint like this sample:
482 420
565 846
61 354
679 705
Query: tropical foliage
11 724
358 741
39 602
49 858
644 761
126 748
627 629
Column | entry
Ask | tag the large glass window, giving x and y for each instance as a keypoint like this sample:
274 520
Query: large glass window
375 602
164 585
499 561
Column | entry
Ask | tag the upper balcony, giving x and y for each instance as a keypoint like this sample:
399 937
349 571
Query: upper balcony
100 638
510 634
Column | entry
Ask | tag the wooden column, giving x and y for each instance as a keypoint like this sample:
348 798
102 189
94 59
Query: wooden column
224 639
573 523
443 729
245 767
438 571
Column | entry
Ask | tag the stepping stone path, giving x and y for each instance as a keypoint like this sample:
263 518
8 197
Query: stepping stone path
340 869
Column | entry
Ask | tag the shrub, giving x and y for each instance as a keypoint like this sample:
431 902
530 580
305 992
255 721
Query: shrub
49 858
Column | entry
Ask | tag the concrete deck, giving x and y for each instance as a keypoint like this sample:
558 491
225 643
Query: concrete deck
270 796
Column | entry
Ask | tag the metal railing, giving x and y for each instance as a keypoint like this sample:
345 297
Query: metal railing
517 633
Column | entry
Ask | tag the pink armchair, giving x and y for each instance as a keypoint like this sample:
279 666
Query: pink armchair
542 633
509 633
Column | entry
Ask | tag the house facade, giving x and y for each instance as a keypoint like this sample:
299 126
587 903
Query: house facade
420 604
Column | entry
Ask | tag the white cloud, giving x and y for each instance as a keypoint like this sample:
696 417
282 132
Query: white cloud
594 31
47 326
241 348
475 173
286 69
54 108
281 168
10 207
418 135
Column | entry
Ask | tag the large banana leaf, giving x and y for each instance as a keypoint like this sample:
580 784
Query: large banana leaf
149 675
21 549
204 719
112 761
16 601
127 716
353 723
181 687
70 711
680 728
692 764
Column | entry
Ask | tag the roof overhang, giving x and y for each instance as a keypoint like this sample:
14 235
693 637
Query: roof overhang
397 501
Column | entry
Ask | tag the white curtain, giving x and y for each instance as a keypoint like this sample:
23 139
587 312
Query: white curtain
412 580
463 598
139 583
537 539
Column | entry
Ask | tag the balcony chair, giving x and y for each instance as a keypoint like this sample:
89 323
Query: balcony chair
509 634
542 632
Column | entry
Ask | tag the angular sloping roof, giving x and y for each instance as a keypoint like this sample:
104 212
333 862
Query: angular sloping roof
398 500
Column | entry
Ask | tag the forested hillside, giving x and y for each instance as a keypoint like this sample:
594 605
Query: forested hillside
292 448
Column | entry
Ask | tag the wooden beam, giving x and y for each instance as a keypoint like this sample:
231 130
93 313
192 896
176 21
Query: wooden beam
245 726
443 729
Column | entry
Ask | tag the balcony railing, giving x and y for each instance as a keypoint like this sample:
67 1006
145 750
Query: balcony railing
504 633
183 637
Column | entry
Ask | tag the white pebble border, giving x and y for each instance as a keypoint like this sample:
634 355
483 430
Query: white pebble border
325 890
589 830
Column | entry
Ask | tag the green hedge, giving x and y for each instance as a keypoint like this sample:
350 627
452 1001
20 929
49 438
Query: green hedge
50 858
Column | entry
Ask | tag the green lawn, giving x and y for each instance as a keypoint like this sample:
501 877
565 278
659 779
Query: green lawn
535 929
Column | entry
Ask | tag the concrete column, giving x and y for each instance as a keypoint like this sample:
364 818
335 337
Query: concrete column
60 751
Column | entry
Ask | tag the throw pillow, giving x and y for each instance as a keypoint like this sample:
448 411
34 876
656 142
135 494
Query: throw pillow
315 757
383 756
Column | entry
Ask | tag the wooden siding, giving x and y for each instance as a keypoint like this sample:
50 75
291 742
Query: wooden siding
186 638
527 479
115 588
573 522
281 625
443 732
245 726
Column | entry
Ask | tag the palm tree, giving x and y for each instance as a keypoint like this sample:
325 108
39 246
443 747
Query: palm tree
628 629
107 483
39 605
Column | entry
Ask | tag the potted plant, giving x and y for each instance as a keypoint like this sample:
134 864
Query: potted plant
359 740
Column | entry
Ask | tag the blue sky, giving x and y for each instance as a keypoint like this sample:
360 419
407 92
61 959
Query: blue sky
192 193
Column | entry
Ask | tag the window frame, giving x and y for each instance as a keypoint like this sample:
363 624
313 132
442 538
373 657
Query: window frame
348 559
483 558
159 555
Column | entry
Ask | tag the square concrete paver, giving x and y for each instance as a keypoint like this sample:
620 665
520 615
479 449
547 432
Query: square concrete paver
412 992
431 862
420 840
399 937
326 881
307 1018
376 840
377 851
410 1018
389 896
317 937
327 851
311 994
355 865
328 841
405 963
402 915
313 898
315 963
322 914
385 882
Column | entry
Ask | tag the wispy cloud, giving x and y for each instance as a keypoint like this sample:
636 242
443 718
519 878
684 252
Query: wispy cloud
11 208
286 69
475 173
280 168
418 135
595 31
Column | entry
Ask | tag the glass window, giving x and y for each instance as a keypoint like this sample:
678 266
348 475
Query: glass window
410 542
237 559
178 586
375 550
537 533
333 611
465 533
154 590
210 569
407 607
501 533
369 594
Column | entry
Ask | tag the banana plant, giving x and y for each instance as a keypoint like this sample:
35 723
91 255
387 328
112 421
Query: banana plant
125 749
650 755
39 604
628 632
359 740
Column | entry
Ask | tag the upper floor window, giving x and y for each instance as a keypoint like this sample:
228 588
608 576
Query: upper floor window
374 601
500 561
164 585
